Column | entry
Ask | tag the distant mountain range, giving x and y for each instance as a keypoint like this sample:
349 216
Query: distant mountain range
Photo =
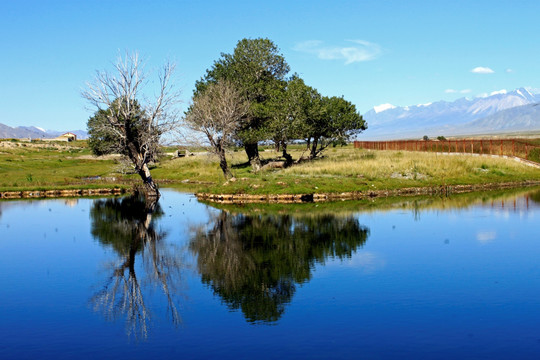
502 112
33 132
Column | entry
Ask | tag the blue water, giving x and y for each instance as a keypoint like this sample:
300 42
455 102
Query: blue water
440 279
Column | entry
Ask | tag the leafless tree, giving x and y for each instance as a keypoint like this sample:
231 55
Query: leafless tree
217 113
131 122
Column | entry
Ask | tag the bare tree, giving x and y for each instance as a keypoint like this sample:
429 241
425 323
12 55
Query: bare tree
217 113
129 122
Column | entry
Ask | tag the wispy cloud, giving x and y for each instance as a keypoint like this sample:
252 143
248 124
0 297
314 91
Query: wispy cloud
509 70
482 70
358 51
452 91
499 92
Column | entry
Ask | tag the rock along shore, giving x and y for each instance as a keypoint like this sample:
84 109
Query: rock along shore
60 193
358 195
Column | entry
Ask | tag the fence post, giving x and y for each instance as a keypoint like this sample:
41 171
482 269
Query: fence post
513 147
501 147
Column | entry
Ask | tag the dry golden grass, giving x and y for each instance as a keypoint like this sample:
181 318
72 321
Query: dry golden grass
346 169
400 165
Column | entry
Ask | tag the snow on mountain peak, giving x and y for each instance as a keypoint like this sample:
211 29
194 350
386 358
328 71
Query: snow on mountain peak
383 107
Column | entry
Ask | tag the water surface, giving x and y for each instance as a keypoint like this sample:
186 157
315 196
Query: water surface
430 278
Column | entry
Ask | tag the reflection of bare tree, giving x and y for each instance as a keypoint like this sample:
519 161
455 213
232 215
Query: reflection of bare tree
254 263
127 225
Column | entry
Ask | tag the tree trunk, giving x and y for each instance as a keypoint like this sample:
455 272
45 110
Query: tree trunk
286 155
252 151
223 164
149 186
313 153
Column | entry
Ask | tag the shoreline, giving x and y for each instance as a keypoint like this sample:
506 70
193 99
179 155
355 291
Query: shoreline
59 193
282 198
359 195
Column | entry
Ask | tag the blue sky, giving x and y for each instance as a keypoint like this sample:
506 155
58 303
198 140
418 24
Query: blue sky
372 52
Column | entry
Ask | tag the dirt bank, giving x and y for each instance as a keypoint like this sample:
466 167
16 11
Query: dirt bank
299 198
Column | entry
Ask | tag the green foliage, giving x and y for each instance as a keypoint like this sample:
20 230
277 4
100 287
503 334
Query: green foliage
335 122
257 70
294 108
441 138
102 139
132 127
281 109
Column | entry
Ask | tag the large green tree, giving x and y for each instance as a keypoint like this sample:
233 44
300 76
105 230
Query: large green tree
335 123
293 110
258 71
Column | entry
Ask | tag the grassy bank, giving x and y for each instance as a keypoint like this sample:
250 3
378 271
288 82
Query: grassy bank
70 165
345 170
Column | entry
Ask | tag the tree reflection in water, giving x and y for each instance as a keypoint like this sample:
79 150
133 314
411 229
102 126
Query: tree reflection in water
535 196
253 262
128 226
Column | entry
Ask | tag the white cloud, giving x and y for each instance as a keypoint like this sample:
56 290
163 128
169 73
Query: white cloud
499 92
452 91
482 95
509 70
482 70
359 50
383 107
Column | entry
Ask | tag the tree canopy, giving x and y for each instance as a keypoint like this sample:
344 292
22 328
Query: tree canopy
258 71
281 109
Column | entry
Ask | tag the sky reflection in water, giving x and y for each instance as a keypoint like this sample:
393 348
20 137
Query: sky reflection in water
448 278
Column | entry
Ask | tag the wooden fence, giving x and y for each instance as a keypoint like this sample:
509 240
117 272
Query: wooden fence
502 147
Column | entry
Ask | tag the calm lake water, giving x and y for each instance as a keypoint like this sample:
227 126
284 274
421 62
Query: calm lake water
413 278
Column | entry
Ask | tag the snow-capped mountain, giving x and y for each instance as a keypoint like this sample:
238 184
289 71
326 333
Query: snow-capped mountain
452 118
34 132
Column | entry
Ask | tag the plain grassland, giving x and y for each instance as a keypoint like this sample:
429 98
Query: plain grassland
342 169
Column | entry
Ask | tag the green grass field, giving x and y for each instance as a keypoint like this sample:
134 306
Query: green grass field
35 166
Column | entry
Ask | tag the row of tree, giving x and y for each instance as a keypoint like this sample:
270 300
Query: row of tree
245 98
